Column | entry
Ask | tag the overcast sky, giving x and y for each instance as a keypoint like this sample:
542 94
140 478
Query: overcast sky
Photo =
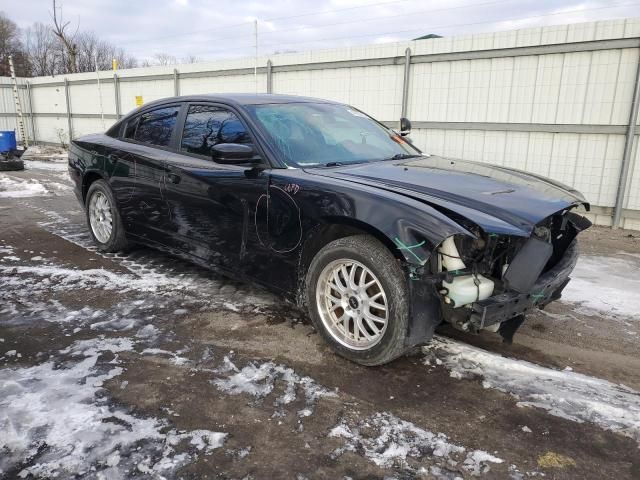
218 29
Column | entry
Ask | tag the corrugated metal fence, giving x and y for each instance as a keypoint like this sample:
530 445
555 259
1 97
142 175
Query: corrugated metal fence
557 101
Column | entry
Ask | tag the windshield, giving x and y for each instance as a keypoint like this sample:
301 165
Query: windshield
321 134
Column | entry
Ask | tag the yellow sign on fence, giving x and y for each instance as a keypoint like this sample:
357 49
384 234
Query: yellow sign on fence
139 101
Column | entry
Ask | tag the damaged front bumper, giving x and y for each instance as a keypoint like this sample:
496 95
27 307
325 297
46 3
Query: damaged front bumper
547 288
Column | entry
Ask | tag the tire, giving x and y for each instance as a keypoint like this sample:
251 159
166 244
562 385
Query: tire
359 252
107 241
11 165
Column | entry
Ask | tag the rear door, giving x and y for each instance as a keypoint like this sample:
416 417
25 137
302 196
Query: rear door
212 205
149 138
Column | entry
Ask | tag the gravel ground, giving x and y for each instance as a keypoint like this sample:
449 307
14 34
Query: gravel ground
142 365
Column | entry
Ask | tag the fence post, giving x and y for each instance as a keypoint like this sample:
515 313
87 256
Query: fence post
116 93
269 77
68 100
628 147
176 83
31 113
405 82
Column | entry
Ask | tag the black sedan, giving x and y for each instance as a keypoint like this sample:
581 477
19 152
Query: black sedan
330 209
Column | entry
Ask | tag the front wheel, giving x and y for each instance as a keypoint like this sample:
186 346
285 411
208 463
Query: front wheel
358 300
103 218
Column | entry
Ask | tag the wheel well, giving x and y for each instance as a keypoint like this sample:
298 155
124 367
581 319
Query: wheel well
87 180
328 232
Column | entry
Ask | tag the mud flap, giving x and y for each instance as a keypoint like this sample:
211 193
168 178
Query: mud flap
424 314
509 327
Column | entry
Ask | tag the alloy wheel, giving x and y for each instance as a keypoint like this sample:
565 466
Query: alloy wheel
352 304
100 217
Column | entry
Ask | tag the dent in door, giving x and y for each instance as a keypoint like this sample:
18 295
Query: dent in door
278 220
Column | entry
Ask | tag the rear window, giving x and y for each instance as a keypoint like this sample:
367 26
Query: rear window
154 127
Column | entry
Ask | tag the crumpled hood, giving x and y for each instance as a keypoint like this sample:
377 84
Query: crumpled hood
498 199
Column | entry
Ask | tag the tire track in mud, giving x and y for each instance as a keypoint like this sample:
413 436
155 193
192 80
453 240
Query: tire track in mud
165 272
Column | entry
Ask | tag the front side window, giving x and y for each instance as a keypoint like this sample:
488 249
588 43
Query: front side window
208 125
155 127
317 134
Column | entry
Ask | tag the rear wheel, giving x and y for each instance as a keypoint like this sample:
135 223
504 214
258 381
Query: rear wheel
103 218
358 300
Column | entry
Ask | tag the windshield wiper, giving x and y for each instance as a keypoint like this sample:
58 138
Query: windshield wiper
403 156
333 164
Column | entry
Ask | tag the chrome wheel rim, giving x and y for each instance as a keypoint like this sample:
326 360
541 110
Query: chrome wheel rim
352 304
100 217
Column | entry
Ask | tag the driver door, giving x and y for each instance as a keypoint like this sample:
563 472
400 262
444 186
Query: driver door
212 205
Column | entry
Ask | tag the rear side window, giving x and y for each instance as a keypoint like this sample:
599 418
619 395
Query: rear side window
207 125
155 127
130 129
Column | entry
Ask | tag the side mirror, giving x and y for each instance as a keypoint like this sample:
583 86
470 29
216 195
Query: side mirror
405 126
233 153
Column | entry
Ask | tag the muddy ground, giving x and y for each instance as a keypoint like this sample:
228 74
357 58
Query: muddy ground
141 365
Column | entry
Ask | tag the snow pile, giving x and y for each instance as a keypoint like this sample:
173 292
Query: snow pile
394 443
562 393
56 421
607 285
52 166
259 380
11 187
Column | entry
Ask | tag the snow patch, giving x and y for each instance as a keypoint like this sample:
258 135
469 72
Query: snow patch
394 443
175 358
55 154
605 285
148 332
562 393
259 380
56 421
17 188
90 278
52 166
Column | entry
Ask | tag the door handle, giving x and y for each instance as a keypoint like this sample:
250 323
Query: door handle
173 178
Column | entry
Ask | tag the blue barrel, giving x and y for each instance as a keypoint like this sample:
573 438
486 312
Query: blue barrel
7 140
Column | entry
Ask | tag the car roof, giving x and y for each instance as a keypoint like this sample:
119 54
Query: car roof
234 99
241 99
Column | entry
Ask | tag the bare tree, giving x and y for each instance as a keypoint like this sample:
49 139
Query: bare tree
92 51
11 44
43 50
48 55
190 59
165 59
66 39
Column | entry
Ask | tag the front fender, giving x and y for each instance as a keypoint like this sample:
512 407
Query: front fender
411 226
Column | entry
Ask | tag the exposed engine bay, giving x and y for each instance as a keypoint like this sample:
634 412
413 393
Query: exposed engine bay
492 280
